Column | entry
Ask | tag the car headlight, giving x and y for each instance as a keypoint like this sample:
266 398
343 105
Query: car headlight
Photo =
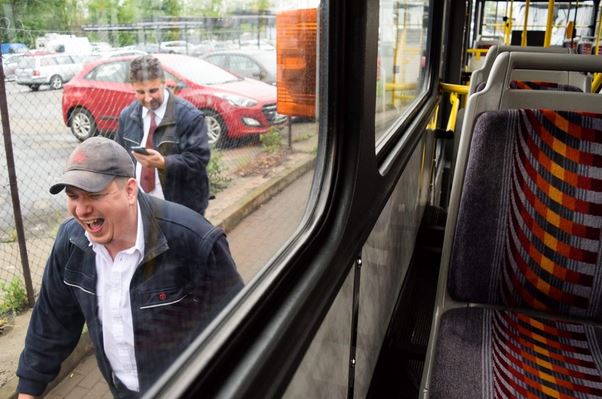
237 101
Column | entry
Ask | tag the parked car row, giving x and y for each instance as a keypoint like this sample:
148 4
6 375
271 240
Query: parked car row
234 107
234 88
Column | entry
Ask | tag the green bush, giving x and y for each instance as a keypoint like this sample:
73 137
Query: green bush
216 173
272 140
14 298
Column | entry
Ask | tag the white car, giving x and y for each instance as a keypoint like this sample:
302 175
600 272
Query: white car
52 70
176 47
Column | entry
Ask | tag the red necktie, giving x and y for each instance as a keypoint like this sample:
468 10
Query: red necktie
147 175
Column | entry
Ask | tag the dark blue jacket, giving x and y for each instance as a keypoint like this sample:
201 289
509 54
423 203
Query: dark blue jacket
181 138
186 276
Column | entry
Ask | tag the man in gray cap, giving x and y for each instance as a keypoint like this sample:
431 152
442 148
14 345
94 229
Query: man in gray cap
146 276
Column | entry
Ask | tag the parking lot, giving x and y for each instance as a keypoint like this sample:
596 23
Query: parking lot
41 144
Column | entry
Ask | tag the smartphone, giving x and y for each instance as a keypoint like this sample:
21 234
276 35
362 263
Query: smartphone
139 149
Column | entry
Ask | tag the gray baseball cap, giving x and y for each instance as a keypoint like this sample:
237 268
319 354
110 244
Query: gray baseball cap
93 165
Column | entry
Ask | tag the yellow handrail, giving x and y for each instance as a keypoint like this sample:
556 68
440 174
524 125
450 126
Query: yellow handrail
523 38
456 92
453 88
550 20
477 52
508 24
453 114
596 82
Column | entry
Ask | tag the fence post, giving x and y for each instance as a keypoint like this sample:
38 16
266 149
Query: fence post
14 192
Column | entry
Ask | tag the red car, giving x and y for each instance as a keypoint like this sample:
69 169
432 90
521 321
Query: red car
234 107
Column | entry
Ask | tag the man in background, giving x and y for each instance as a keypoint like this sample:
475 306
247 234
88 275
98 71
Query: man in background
174 164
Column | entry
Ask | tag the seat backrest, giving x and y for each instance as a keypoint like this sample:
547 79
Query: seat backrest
525 215
481 75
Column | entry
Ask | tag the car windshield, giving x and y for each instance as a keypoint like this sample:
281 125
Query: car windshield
199 71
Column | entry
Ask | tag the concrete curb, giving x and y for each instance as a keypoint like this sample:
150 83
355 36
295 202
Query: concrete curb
227 219
235 213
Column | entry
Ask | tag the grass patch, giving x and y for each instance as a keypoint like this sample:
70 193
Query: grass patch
14 297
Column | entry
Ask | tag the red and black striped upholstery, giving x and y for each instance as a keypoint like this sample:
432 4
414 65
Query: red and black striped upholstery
534 85
552 240
487 353
541 85
527 239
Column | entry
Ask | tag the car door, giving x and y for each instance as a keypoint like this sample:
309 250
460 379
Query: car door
108 93
65 67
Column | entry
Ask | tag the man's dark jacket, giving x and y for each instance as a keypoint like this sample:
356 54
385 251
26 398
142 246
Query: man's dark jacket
181 138
186 276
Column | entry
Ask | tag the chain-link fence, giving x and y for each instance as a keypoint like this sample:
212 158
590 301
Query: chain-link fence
47 121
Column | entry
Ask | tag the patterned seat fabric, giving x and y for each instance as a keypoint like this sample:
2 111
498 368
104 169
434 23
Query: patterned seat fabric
530 218
541 85
534 85
519 357
527 238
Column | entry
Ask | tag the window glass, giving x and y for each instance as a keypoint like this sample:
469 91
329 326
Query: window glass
240 151
27 62
64 59
566 15
401 59
245 67
219 60
47 61
170 77
111 72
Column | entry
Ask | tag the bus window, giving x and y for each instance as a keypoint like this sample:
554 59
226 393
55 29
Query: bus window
567 16
224 141
401 59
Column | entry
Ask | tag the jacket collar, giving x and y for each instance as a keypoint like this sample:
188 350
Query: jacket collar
155 242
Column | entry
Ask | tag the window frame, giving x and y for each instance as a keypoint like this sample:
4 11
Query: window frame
255 345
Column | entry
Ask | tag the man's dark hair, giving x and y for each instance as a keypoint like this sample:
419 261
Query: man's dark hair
144 68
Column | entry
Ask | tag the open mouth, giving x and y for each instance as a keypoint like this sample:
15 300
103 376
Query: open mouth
95 225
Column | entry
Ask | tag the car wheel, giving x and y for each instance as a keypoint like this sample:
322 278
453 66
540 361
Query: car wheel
82 124
34 87
217 132
56 82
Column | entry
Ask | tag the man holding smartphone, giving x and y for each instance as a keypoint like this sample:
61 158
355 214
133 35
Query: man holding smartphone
173 161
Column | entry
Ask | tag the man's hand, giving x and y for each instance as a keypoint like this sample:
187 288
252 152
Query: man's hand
154 159
25 396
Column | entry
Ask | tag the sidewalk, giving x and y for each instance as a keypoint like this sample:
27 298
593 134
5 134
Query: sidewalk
80 377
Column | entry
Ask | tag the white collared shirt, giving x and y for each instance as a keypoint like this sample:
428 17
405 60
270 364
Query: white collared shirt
114 307
159 114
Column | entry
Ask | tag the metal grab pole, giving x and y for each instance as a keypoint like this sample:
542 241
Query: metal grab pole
14 192
289 123
549 24
523 38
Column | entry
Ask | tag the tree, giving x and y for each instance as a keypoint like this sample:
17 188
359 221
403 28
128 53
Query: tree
27 19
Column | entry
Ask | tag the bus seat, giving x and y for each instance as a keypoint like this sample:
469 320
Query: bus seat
519 302
481 75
